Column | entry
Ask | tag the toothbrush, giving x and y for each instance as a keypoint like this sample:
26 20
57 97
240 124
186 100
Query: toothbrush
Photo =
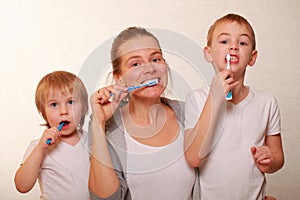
229 95
58 128
148 84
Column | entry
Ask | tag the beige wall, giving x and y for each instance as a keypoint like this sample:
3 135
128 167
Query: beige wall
37 37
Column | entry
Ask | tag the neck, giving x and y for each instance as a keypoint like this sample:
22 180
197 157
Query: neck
239 93
146 118
71 139
139 109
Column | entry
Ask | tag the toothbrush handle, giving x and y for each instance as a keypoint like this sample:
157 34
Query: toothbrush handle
229 95
59 128
131 88
48 141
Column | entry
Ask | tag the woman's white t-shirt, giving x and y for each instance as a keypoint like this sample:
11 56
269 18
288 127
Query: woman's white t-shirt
158 173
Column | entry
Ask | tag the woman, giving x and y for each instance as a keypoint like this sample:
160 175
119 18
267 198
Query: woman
137 147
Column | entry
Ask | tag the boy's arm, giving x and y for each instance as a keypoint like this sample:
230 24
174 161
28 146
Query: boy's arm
275 144
201 138
28 172
194 138
269 158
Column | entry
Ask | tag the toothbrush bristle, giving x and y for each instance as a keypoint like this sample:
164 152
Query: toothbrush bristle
228 57
152 82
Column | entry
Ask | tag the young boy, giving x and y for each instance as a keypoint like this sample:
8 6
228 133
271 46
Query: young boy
242 142
60 158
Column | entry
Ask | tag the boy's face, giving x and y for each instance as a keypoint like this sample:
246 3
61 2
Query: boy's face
235 39
65 108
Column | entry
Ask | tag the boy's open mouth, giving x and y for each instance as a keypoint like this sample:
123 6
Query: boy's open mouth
66 122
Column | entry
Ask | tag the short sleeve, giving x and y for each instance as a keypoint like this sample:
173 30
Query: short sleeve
274 121
195 101
30 148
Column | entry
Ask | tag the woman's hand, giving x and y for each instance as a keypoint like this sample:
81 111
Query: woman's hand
106 100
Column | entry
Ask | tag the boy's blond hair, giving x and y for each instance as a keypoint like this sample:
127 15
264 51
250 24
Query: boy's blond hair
231 18
64 82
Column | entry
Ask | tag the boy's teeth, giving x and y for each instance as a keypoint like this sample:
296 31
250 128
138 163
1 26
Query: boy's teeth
233 58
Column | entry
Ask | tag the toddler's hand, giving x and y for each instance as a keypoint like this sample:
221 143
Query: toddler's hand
51 133
263 157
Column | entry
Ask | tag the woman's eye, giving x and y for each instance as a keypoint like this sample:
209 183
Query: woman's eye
156 60
135 64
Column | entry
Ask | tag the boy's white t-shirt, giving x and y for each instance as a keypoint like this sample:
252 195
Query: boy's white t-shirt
158 172
65 171
229 171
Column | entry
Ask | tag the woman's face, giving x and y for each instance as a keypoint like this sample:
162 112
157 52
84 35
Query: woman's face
142 61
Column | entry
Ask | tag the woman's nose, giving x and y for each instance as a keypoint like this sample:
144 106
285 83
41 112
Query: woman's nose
149 68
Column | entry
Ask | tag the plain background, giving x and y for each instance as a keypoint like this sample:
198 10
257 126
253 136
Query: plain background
38 37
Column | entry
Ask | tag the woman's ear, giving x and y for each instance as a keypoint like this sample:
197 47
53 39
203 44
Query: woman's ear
253 58
117 78
207 54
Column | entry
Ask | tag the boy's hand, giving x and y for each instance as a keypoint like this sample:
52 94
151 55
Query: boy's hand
223 82
51 133
263 157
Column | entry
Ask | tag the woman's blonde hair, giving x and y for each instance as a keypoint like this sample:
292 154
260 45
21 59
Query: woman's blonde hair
127 34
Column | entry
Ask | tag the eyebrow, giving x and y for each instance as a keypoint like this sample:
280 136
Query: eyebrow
158 51
50 101
67 97
227 34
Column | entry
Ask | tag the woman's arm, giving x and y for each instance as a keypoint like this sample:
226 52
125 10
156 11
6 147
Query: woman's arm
103 180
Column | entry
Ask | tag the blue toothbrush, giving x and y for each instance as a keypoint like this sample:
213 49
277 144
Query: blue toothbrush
148 84
58 128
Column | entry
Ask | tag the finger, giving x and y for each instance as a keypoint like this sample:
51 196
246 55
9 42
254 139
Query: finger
265 161
54 132
102 95
50 139
253 150
264 156
225 74
231 86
